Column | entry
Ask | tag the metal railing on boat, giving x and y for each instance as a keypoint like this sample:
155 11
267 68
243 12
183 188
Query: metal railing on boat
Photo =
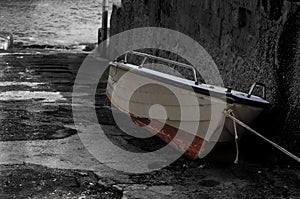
146 56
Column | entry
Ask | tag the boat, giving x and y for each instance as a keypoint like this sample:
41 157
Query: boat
193 109
6 41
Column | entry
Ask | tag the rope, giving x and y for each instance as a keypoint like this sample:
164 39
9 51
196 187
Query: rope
228 114
236 137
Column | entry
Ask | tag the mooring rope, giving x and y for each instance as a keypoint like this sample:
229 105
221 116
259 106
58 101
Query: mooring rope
236 137
229 114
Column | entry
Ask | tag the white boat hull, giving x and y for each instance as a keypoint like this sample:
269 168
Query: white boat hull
135 94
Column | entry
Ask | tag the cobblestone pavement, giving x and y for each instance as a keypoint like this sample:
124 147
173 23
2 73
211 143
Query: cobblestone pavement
43 157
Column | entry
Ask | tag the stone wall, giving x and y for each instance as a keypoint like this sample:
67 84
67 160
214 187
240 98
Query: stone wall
250 41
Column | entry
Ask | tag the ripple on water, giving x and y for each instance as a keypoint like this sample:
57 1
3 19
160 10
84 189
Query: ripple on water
28 95
29 84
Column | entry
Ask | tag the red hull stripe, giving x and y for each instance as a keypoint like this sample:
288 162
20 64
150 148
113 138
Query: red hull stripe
167 133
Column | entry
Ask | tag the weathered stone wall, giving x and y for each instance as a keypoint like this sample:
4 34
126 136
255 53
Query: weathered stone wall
250 41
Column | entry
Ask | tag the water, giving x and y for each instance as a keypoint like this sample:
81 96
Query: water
51 22
43 96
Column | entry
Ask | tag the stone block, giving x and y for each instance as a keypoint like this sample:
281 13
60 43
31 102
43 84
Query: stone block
190 26
207 5
225 9
196 3
215 26
194 11
205 18
215 6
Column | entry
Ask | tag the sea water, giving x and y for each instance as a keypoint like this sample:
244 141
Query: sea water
52 22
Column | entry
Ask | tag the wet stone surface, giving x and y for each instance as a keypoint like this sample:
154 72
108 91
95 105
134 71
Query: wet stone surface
40 182
32 106
42 156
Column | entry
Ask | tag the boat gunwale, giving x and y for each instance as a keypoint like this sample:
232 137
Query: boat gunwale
229 97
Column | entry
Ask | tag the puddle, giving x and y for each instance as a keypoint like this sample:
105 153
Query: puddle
27 95
29 84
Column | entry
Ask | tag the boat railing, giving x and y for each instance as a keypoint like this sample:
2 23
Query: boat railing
147 56
254 85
